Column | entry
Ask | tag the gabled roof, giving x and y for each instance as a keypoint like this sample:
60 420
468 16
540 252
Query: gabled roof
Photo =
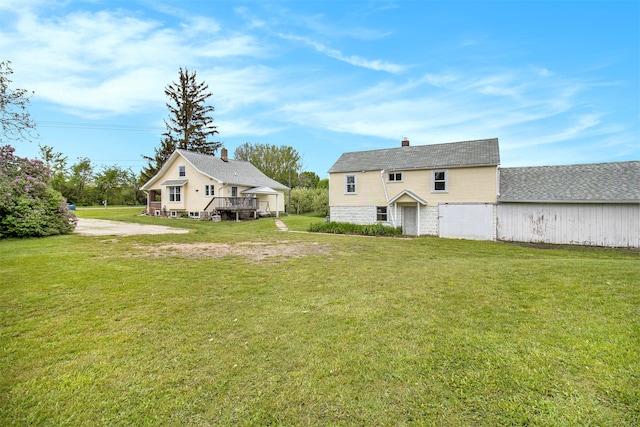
482 152
590 183
411 194
236 172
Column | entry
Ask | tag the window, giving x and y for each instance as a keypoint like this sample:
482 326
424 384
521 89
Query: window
182 171
234 191
439 181
395 176
194 214
174 194
381 214
350 184
209 190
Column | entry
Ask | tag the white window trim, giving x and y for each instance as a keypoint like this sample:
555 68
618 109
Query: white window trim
355 184
178 193
194 214
209 190
180 168
386 213
446 181
394 176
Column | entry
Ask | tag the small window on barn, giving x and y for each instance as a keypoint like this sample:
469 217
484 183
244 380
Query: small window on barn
395 176
381 214
439 181
350 184
182 171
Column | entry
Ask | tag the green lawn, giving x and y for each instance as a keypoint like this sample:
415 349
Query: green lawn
241 324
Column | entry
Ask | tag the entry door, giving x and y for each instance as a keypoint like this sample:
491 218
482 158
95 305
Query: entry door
410 220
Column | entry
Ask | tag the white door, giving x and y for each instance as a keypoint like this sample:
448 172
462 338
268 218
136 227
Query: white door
410 220
473 222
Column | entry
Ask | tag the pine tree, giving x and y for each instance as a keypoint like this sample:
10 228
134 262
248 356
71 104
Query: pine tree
189 124
162 154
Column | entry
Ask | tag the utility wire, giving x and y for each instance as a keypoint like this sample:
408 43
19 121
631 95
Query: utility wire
94 126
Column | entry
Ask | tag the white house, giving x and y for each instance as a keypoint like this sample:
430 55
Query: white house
201 186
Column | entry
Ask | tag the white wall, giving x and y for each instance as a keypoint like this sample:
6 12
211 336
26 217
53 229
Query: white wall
613 225
467 221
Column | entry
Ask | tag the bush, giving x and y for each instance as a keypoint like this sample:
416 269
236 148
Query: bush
29 206
306 200
377 229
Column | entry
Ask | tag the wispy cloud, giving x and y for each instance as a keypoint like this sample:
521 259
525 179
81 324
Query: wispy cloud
377 65
460 107
112 62
272 70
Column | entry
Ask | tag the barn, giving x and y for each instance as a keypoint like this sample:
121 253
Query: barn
588 204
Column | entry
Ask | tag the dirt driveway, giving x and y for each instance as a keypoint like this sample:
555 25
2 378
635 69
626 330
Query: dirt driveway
250 251
101 227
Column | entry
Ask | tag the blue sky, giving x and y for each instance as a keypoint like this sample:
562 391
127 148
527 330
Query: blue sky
556 81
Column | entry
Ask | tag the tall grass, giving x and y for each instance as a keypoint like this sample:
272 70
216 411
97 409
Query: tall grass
424 331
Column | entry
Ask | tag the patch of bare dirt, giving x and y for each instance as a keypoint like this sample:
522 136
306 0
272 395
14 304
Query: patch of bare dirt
101 227
251 251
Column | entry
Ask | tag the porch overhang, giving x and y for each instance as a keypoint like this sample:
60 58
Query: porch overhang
407 194
175 183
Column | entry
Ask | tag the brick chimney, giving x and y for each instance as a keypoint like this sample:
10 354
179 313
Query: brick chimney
405 142
223 155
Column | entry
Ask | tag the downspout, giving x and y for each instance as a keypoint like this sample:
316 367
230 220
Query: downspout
386 196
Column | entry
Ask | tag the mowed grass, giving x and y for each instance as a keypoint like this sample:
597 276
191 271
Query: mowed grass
366 331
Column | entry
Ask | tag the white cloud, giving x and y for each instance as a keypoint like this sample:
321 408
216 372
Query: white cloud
106 63
377 65
450 107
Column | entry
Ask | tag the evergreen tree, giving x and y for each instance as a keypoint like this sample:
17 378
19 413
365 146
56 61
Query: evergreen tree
189 125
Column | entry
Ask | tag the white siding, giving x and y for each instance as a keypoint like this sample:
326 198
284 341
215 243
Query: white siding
467 221
612 225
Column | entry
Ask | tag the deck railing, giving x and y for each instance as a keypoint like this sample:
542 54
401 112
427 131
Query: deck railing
233 203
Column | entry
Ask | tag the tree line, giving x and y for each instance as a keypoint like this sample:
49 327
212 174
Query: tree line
83 184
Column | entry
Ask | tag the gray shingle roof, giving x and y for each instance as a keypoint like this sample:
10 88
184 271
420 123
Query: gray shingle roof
230 172
175 182
482 152
600 182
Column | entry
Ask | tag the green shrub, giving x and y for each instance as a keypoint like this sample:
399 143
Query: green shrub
377 229
29 206
306 200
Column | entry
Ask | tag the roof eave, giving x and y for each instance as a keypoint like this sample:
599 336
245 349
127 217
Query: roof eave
565 201
428 167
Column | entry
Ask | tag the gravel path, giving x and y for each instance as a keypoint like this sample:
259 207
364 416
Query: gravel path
101 227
